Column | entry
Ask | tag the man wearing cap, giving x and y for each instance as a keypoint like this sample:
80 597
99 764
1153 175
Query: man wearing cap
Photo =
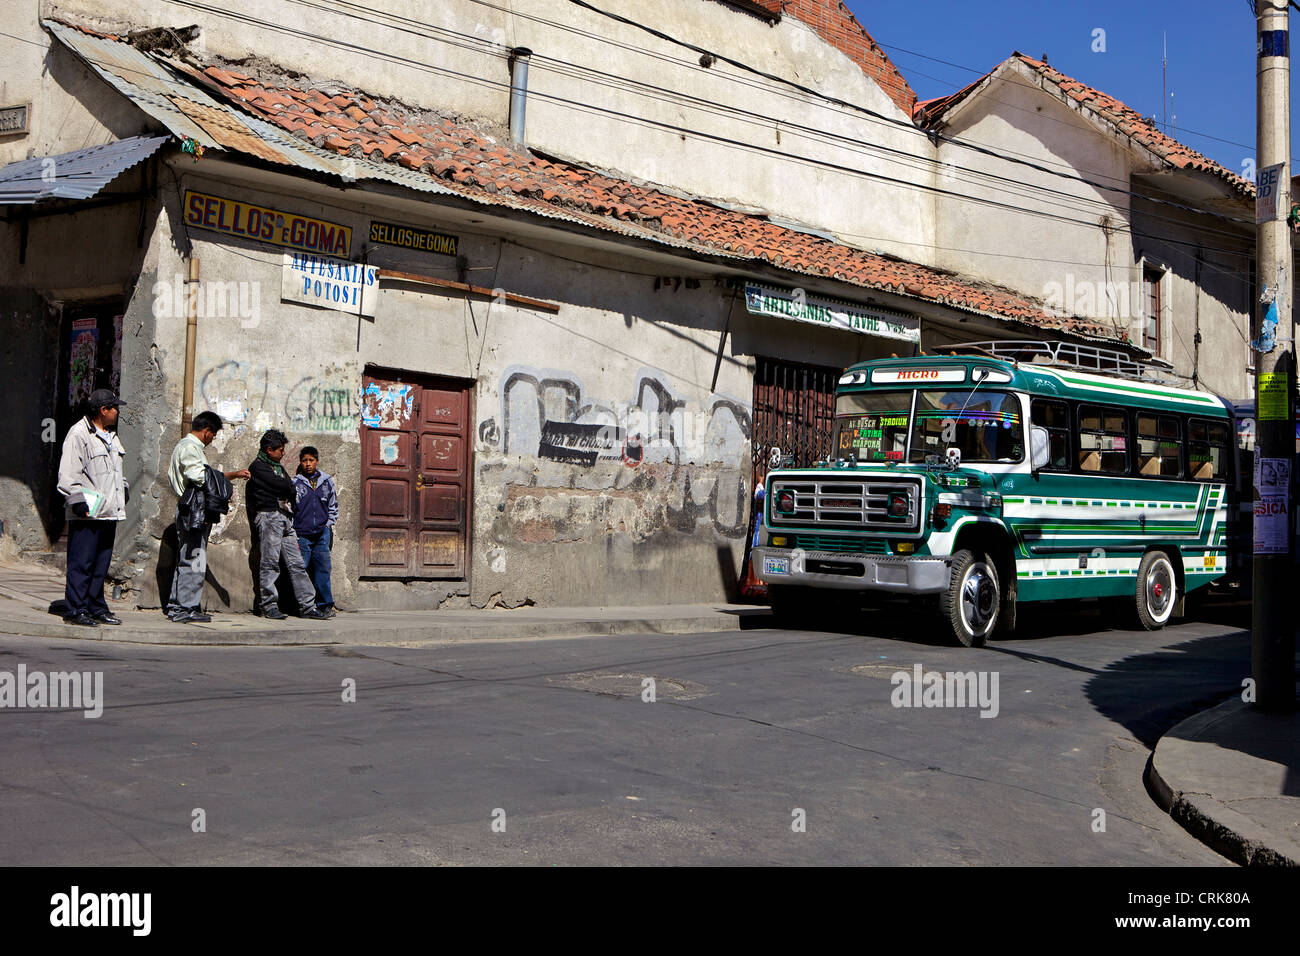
91 482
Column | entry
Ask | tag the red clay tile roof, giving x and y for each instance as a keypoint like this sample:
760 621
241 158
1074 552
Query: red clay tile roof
472 164
837 25
1123 118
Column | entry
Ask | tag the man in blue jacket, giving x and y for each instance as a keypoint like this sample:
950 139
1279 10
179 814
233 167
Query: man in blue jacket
314 514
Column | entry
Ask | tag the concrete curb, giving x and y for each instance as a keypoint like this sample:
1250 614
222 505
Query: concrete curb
1214 823
433 632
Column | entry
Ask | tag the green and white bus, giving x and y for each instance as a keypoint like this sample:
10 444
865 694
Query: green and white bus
986 479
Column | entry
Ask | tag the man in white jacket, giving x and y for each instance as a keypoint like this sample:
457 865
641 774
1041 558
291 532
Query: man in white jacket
96 493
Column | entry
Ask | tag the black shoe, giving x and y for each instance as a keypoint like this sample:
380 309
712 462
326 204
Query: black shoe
198 617
326 610
274 613
312 614
107 618
84 619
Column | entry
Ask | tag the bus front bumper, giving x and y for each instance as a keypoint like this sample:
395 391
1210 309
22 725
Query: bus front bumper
852 572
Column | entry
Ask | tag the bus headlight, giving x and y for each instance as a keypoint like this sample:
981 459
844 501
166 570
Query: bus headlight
898 506
785 502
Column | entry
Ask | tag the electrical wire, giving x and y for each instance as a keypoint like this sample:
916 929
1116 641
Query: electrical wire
978 72
780 154
681 130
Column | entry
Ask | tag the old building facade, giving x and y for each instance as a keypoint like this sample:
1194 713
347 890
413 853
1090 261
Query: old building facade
546 358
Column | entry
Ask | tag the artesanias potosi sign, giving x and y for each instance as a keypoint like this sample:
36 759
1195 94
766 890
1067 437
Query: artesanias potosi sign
235 217
787 304
333 283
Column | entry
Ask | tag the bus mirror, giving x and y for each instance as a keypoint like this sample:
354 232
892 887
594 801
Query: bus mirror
774 458
1040 448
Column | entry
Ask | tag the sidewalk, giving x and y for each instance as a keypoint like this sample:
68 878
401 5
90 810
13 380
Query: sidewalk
1231 776
26 591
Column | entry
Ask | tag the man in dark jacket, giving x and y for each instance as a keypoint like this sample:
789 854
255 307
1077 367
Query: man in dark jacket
270 493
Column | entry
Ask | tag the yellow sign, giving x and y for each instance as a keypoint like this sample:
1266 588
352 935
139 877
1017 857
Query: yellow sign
1271 397
422 240
236 218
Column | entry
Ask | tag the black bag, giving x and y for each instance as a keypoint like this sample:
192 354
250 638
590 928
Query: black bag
217 492
191 513
206 503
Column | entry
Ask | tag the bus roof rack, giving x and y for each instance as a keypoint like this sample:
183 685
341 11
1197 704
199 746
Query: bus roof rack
1071 355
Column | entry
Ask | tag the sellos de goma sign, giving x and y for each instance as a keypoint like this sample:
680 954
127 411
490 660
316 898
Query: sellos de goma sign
234 217
408 237
794 304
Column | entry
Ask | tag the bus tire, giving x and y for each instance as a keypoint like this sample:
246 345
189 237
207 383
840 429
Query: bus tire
790 605
973 599
1157 590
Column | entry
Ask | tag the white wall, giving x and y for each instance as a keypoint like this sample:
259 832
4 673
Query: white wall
461 69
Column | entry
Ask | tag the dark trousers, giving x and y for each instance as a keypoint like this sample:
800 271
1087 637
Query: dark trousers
90 550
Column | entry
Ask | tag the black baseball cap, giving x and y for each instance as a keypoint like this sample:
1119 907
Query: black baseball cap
101 397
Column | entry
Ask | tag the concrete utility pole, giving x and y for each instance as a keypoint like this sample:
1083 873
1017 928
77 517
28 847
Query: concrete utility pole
1275 578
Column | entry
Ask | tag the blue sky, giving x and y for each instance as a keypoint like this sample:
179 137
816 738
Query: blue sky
1211 55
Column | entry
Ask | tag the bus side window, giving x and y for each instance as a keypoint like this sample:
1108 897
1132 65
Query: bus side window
1055 417
1208 450
1103 440
1159 446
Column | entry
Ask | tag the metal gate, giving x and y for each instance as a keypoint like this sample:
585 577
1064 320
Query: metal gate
794 410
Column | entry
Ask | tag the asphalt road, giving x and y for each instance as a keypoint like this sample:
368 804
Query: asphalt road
544 752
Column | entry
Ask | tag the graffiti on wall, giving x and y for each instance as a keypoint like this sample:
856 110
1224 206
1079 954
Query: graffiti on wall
326 404
690 461
247 394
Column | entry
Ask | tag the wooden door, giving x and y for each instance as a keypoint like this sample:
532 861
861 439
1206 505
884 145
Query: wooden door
415 478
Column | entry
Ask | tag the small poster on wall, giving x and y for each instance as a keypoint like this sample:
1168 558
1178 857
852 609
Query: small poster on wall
115 383
83 361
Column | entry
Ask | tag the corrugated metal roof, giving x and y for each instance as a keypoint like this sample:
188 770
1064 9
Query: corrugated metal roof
76 175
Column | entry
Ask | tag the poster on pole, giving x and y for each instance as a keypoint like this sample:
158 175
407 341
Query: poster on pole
1268 190
1272 505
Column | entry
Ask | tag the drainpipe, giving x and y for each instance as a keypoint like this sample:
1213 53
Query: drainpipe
191 335
519 57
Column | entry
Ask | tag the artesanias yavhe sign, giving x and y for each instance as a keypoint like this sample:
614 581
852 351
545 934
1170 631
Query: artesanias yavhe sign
406 237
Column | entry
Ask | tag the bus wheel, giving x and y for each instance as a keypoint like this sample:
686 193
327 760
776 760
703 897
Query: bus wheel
1157 590
973 598
790 605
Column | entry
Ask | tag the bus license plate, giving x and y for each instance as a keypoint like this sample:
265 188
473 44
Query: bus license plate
776 565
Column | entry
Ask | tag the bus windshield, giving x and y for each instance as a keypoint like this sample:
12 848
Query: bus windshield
985 426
